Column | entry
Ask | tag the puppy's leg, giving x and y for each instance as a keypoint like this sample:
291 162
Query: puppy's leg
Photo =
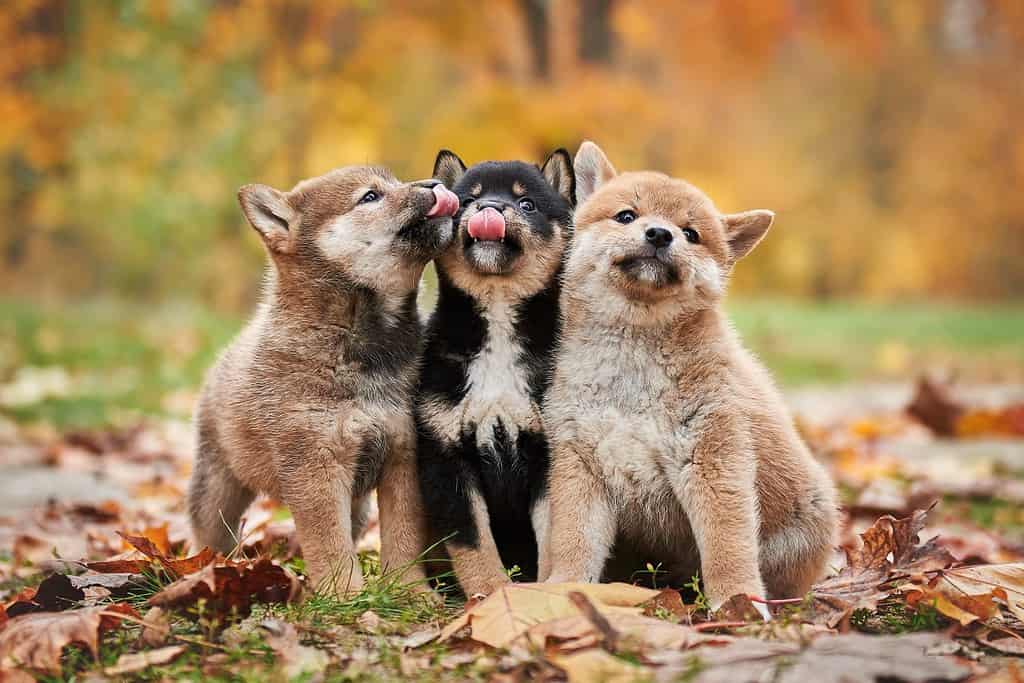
457 513
717 492
540 517
794 557
403 534
477 565
582 519
216 499
360 517
319 495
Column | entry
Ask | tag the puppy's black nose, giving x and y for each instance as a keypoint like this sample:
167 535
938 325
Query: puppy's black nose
498 206
429 183
659 237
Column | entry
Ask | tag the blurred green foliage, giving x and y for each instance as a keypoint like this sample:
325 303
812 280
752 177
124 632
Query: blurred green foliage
886 135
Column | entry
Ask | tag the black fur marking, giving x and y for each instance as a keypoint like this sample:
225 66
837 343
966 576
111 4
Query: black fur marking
497 179
369 462
446 479
382 344
538 325
455 334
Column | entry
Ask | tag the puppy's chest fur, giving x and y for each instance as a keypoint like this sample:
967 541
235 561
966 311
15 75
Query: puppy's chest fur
343 383
486 368
622 396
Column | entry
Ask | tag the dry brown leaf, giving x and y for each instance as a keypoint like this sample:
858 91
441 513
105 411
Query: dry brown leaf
420 638
54 594
1003 581
511 610
964 609
137 661
293 658
598 665
1004 642
153 542
670 601
35 641
636 633
934 406
890 548
156 547
369 622
156 625
846 658
232 587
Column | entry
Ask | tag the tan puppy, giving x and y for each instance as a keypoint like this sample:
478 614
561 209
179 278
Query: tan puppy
313 398
669 439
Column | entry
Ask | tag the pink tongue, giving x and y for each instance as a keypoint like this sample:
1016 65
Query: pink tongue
487 225
446 202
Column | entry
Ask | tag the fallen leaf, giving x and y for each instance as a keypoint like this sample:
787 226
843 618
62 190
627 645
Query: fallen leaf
669 601
156 625
933 406
846 658
35 641
1008 644
156 547
510 611
636 633
132 662
964 609
888 549
369 622
1001 581
293 658
152 542
232 587
54 594
598 665
420 638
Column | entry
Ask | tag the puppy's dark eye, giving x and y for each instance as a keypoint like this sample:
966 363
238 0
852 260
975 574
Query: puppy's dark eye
370 196
691 235
626 216
527 205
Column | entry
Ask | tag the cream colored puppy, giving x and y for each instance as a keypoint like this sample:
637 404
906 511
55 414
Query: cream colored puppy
669 439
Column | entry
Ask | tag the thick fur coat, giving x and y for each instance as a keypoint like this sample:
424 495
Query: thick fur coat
670 442
482 453
312 402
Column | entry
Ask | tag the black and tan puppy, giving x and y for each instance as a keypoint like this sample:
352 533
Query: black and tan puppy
481 451
312 401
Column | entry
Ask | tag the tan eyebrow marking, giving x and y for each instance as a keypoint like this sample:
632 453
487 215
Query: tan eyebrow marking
476 190
518 189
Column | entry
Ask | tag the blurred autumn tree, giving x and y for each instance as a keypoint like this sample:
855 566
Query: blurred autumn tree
887 135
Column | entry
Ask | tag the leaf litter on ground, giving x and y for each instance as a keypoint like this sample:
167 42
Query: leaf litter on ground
963 586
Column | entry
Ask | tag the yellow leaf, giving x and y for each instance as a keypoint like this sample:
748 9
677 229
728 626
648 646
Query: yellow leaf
510 611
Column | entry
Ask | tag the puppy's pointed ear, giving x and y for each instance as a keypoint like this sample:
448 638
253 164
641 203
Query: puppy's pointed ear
745 230
592 170
558 172
269 212
448 168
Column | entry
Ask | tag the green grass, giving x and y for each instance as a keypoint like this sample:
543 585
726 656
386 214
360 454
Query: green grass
808 342
107 361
